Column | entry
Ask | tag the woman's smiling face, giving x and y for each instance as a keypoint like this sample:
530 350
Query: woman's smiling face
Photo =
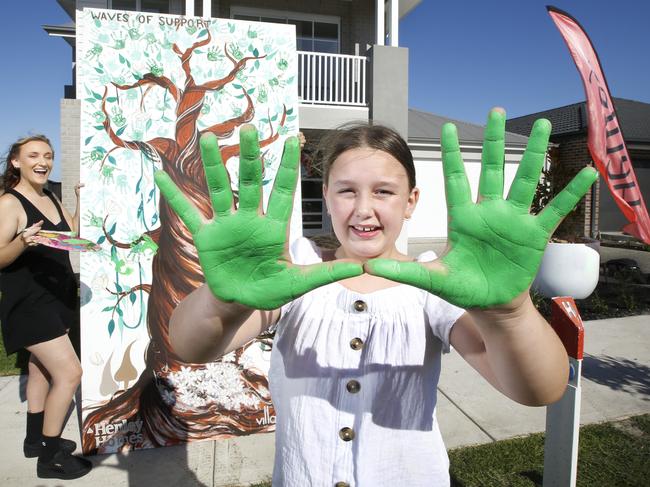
367 194
34 161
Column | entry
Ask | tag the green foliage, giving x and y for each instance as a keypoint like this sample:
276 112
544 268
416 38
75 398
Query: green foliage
600 305
542 304
14 364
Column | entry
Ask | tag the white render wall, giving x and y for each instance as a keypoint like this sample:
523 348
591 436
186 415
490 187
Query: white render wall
429 220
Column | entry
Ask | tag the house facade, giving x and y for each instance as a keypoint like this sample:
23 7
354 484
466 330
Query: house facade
428 227
351 68
597 213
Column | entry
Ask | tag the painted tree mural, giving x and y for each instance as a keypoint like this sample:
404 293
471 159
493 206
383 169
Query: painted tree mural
151 88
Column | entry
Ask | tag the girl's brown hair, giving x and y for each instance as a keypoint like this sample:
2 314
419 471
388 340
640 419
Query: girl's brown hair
355 136
11 175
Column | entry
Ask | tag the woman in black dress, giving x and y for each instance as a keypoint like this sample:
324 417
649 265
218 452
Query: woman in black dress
39 303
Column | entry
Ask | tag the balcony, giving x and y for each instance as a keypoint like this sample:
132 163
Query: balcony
332 79
332 89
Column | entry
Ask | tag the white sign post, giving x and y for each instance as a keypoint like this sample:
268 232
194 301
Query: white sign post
563 417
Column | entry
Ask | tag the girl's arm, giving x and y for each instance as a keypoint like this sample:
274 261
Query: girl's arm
12 245
515 349
203 328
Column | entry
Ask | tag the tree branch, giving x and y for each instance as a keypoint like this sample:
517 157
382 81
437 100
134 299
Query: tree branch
109 130
187 55
230 151
144 287
225 129
238 65
153 235
151 79
160 145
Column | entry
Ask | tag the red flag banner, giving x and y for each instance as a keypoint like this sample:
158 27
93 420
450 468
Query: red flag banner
605 139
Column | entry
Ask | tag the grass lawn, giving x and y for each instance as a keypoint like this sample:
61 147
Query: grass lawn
12 364
610 454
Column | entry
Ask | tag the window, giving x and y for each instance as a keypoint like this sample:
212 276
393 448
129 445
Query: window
326 37
124 5
304 34
317 33
154 6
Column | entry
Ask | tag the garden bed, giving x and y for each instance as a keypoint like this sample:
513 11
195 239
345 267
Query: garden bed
610 299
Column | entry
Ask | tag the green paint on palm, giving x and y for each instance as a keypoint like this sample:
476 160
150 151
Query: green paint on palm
243 252
495 245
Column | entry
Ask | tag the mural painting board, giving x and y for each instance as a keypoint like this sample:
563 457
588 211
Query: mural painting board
150 85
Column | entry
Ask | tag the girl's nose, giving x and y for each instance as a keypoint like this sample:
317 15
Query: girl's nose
363 207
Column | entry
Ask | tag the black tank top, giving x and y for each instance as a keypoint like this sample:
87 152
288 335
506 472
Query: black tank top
38 289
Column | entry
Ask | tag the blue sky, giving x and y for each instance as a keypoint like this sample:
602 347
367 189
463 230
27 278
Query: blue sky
465 57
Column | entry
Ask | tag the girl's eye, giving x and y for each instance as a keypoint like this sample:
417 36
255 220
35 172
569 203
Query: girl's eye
345 190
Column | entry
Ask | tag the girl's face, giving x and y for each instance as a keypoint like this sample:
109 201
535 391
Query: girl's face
34 161
368 197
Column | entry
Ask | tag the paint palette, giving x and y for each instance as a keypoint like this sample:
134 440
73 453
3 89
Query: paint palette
65 241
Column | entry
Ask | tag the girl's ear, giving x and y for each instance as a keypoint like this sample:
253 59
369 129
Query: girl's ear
325 198
412 202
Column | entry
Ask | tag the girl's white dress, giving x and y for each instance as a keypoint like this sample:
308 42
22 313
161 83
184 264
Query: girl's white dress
353 379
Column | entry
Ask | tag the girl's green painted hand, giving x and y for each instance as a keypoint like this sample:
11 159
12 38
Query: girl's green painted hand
244 252
494 246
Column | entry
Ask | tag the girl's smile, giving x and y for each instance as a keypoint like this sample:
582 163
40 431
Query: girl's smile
366 231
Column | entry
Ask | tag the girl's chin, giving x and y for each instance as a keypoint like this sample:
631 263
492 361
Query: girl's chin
363 253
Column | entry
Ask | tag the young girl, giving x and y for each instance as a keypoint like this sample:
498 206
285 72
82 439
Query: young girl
39 303
356 358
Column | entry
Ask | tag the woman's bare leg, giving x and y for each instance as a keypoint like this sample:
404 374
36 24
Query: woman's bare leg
38 385
58 358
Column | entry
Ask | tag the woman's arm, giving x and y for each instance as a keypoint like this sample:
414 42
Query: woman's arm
73 220
12 245
515 349
203 328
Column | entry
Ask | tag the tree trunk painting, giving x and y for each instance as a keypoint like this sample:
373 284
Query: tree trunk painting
150 86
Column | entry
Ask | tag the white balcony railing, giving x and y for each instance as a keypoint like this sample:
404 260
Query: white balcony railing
331 79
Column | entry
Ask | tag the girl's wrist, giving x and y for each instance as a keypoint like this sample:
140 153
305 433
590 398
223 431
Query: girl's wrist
511 314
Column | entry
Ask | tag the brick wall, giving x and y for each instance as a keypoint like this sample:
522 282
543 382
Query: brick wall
573 155
69 158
